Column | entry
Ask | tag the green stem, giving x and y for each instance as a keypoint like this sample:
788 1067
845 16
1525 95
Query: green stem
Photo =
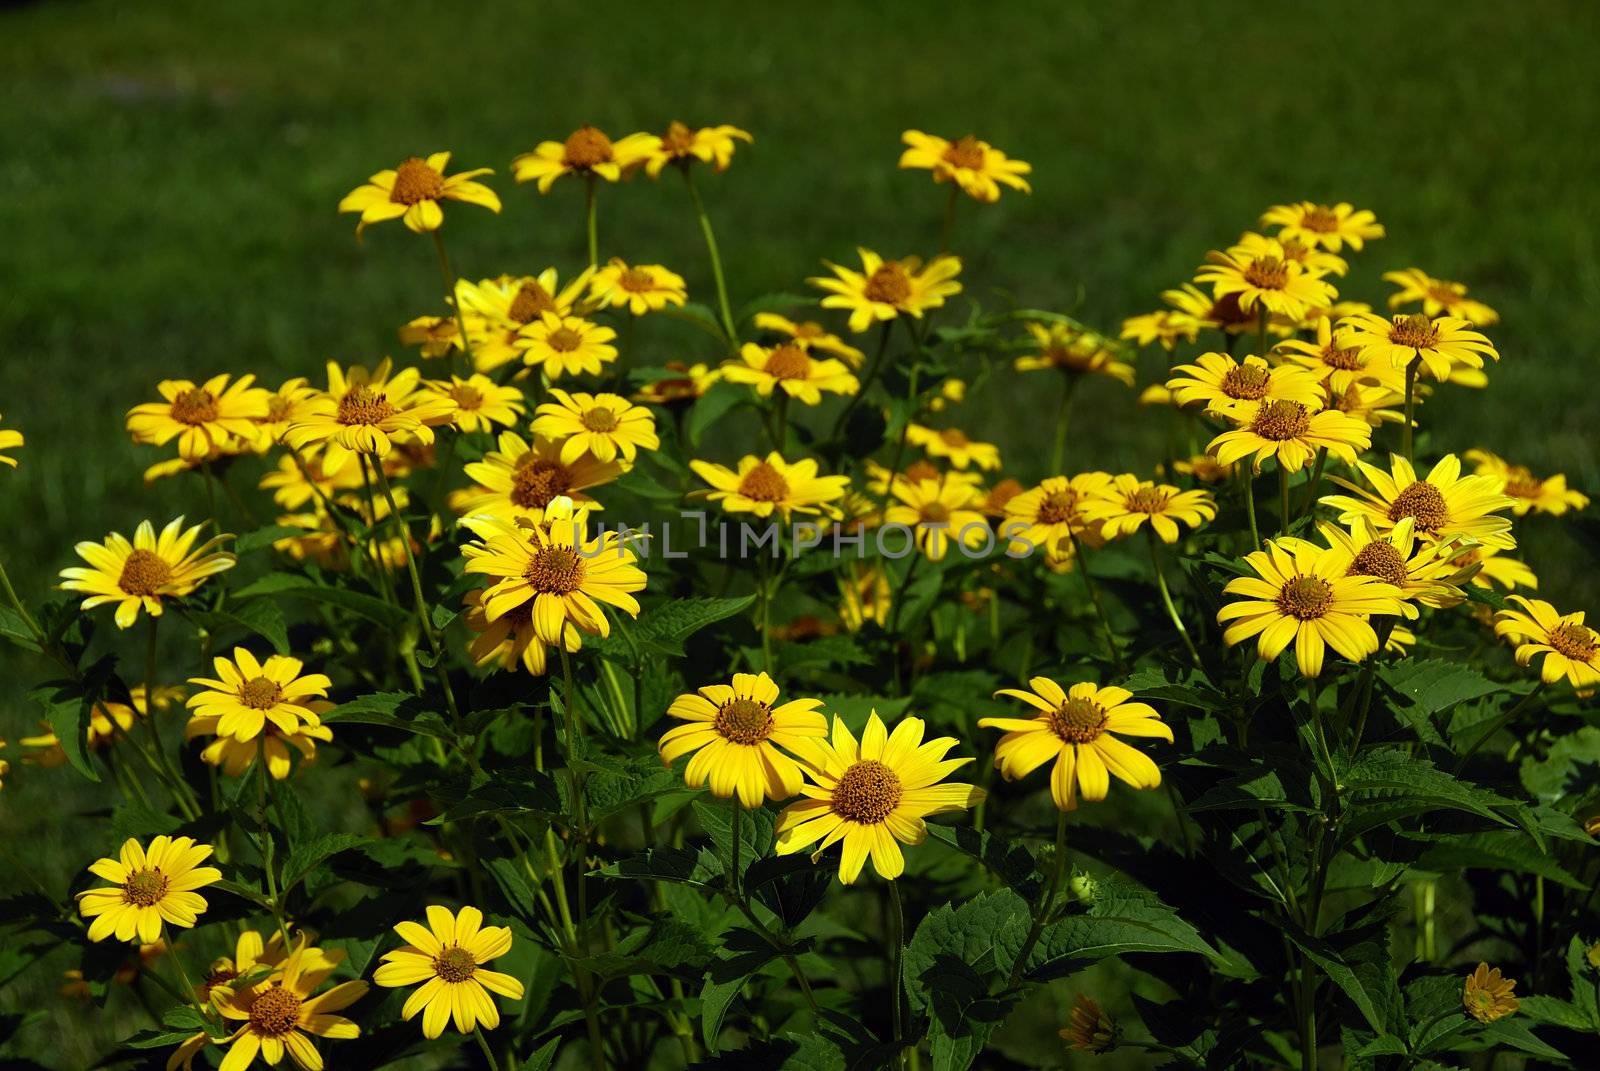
190 994
454 291
16 604
1283 499
1099 607
874 367
716 258
1058 450
1316 480
733 862
182 795
1411 404
949 219
591 227
483 1043
897 966
1166 599
1247 488
1046 905
574 736
423 618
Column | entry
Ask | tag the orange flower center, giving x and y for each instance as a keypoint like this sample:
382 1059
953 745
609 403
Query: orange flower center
585 147
1446 294
275 1012
788 362
744 721
808 329
678 139
1522 483
890 284
935 512
1381 560
1423 503
954 437
1415 332
637 280
1573 641
195 406
279 409
1267 273
564 340
144 888
144 573
415 181
764 484
965 153
536 484
555 571
1281 421
1346 359
260 693
363 405
1247 382
1305 597
466 396
600 419
1057 507
454 964
1077 721
531 302
867 793
1320 219
1147 500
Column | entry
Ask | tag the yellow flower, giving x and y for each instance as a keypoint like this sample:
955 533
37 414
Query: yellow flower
1423 571
788 366
1076 729
246 695
1050 514
1308 256
10 440
250 952
772 485
1487 994
1302 594
873 795
560 570
1494 568
1265 277
497 310
1203 467
235 756
1219 313
885 289
1571 649
682 145
977 167
1438 297
938 511
735 732
509 639
1155 394
1330 226
1164 326
108 718
437 336
142 573
447 956
640 289
477 403
284 406
951 443
1334 361
276 1014
1529 492
1218 381
1442 504
587 152
603 425
292 486
366 412
149 887
204 419
1373 404
518 481
1290 432
412 192
1127 502
1090 1029
563 345
1072 349
810 335
685 383
1442 346
864 595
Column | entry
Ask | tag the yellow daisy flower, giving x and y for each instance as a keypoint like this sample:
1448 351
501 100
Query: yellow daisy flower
149 887
1267 278
1290 432
509 639
769 485
1090 1029
810 335
1217 381
1203 467
1487 994
1442 504
684 383
1374 404
517 481
1119 508
873 795
497 310
247 695
587 152
1303 594
681 145
412 192
250 951
566 345
1155 394
1330 226
365 412
1439 297
790 367
884 289
1077 729
602 425
1442 345
952 444
1164 326
1217 313
276 1014
1571 649
1529 492
864 595
1423 571
1072 349
10 439
142 573
735 732
108 720
285 405
560 570
1308 256
447 956
1334 361
293 487
204 418
640 289
1050 514
938 511
477 403
235 756
1495 568
435 336
977 167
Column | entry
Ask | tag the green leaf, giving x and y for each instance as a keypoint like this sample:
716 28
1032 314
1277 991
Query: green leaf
685 866
506 792
1115 926
542 1058
391 710
259 616
1010 860
755 831
303 858
263 537
983 935
391 617
66 708
712 406
1566 768
1497 850
15 629
746 952
1515 1034
667 625
1418 690
1386 783
1554 1012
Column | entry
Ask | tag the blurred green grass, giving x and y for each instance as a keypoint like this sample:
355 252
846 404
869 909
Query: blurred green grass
171 171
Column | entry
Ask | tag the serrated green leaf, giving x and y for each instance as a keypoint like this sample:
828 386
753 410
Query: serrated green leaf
303 858
1497 850
388 615
985 934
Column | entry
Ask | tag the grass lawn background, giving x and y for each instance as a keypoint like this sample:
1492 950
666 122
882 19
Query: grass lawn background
171 171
